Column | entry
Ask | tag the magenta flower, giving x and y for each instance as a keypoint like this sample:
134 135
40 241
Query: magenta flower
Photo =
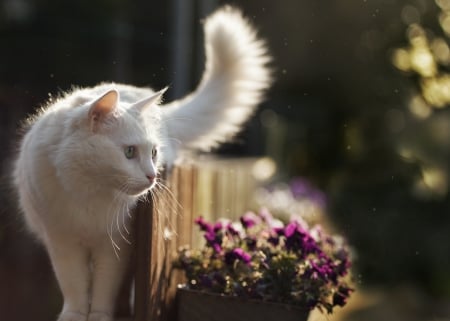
290 229
237 254
249 219
204 226
232 230
214 240
217 227
321 270
298 239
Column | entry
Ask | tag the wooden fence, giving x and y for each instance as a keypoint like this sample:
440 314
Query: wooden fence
211 188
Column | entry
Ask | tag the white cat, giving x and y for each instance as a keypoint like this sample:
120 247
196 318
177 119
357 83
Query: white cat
88 157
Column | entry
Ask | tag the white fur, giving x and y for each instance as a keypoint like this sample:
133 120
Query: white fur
232 85
76 187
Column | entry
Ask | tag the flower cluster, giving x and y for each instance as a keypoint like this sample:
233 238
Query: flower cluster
262 258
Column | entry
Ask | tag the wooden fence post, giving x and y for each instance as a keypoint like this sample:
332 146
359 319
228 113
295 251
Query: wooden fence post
162 225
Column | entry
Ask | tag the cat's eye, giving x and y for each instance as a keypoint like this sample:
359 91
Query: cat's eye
130 152
154 152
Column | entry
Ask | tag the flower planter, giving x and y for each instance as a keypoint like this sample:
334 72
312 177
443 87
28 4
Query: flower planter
261 257
200 306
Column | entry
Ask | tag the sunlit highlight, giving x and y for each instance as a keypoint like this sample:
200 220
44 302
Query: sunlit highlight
419 108
264 168
444 20
433 183
443 4
436 91
440 51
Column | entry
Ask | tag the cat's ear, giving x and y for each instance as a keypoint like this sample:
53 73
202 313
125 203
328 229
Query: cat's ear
145 103
102 108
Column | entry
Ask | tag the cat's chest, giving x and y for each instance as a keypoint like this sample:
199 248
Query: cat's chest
91 216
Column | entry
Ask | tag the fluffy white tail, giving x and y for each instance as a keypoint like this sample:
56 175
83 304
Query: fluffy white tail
232 85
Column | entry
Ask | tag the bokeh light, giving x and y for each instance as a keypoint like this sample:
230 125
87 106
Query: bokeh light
419 107
436 90
441 51
433 183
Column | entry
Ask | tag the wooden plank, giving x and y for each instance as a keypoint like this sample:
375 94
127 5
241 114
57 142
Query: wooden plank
144 226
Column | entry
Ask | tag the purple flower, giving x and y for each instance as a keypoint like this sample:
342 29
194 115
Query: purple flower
214 240
217 227
298 239
299 221
325 269
302 188
232 230
260 257
204 226
217 247
279 231
290 229
210 236
249 219
237 254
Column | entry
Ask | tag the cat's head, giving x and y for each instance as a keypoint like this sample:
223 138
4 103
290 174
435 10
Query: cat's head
114 145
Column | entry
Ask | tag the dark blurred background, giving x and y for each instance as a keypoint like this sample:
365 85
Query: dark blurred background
360 107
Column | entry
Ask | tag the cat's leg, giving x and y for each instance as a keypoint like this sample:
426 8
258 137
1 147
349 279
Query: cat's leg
107 275
71 265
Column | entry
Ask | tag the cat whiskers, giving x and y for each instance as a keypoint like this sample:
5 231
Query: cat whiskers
113 216
162 211
167 200
164 189
127 210
109 230
123 224
124 211
164 204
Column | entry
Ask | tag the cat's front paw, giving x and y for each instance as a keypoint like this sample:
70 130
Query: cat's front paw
99 316
72 316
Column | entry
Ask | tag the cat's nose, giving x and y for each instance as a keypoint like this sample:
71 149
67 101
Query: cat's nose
151 178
